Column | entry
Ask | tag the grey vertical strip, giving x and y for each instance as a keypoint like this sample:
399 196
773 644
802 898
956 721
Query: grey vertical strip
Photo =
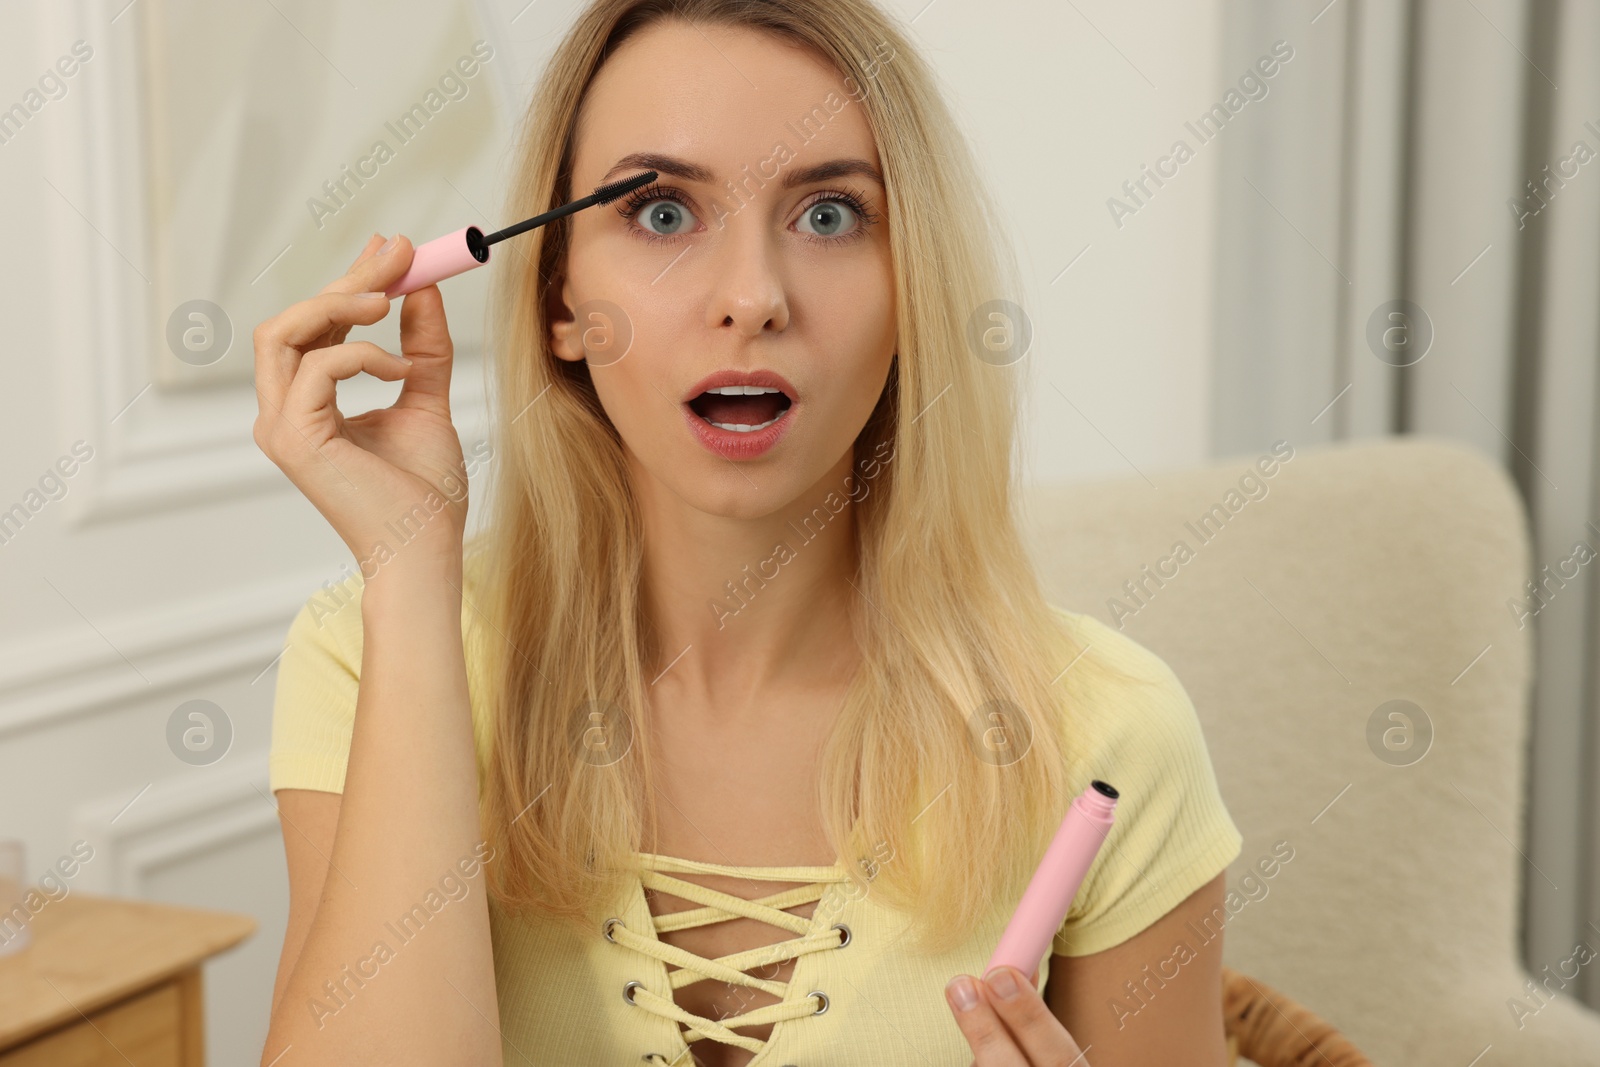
1542 906
1531 252
1544 35
1588 788
1349 141
1588 791
1401 414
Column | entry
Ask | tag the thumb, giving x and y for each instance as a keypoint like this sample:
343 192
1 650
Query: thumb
425 340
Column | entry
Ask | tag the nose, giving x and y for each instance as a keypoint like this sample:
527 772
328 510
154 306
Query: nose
749 293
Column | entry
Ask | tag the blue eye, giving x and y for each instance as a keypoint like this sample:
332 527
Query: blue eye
667 213
827 215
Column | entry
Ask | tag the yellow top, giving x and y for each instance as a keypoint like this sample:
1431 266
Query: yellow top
608 997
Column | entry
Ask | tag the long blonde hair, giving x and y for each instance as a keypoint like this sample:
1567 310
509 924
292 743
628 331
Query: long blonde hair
956 638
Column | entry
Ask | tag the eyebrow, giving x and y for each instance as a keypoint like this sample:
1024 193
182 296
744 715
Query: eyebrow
694 172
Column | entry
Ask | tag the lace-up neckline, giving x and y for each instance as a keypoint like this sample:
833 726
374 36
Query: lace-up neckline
812 934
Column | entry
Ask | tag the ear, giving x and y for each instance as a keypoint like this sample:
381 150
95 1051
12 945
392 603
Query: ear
564 339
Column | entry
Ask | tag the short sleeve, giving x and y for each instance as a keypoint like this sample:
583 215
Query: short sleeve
1136 728
314 704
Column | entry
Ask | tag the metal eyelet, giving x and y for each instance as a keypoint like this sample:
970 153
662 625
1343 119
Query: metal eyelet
846 939
824 996
605 928
627 993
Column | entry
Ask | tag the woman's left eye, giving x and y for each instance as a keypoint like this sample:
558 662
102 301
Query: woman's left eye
830 217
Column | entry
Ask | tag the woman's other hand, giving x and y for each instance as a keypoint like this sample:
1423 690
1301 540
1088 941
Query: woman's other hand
1016 1030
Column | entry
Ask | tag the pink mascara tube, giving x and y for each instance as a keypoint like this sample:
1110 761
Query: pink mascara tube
1050 892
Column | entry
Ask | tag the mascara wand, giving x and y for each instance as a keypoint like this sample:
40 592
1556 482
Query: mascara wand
458 252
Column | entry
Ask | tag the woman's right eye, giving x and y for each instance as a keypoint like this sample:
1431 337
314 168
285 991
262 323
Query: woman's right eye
672 216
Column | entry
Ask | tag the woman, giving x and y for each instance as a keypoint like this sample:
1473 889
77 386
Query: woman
750 735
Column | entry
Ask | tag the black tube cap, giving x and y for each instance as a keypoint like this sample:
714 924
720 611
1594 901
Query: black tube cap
1104 789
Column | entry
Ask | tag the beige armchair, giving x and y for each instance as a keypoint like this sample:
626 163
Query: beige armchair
1306 601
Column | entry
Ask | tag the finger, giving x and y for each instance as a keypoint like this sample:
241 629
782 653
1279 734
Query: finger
424 331
1023 1011
374 268
991 1043
280 340
313 389
425 340
374 243
300 324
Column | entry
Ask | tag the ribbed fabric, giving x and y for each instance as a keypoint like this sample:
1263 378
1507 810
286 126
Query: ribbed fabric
562 996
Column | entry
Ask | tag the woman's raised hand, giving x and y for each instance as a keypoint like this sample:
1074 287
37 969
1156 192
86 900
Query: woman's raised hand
1015 1031
399 467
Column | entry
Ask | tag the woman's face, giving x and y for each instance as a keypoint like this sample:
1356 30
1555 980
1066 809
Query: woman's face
729 267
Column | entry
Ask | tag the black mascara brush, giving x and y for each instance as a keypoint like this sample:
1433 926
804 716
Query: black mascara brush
454 253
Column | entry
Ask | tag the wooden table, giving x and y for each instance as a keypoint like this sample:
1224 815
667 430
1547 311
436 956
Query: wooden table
109 981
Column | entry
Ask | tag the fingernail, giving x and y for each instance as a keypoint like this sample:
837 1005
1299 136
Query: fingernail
401 358
388 246
1003 983
372 296
962 992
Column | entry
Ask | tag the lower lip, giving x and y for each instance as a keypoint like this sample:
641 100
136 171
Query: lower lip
731 444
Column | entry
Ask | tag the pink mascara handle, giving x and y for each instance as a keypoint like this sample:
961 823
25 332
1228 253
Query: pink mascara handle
1050 893
441 258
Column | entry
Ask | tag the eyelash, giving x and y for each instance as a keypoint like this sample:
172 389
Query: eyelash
637 199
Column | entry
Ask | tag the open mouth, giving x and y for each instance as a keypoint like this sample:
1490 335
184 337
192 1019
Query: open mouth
741 408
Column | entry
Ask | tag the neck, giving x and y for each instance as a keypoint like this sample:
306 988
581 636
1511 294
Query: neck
743 605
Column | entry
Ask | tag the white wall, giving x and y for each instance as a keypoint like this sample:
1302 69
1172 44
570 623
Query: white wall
169 569
1122 338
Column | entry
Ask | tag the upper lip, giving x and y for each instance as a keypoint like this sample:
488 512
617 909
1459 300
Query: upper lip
771 379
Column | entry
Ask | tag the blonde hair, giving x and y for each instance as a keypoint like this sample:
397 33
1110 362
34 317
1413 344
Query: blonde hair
950 618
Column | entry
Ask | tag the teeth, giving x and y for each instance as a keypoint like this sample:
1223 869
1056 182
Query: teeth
739 427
